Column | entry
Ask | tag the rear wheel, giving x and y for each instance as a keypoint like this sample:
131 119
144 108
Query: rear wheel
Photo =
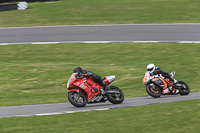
184 89
77 99
154 92
115 98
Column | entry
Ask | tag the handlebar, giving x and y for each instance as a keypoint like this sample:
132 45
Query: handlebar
80 77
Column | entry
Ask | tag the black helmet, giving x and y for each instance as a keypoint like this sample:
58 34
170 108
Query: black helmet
78 70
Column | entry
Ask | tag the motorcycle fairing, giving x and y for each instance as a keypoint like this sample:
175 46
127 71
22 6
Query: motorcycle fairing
77 90
88 85
161 82
71 80
146 78
169 82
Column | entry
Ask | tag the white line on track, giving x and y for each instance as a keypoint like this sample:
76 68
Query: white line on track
57 113
189 42
97 25
45 42
98 42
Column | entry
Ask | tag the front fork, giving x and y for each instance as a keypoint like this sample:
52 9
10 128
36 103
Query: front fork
77 94
76 90
153 86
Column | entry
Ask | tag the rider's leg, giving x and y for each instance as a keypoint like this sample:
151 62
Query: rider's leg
100 80
166 75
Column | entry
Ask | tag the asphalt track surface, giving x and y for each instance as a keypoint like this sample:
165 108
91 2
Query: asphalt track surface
89 33
62 108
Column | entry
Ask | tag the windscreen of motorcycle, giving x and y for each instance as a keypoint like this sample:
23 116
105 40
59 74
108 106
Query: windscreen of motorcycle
71 79
110 78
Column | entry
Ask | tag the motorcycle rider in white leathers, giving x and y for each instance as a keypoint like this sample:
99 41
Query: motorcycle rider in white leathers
153 70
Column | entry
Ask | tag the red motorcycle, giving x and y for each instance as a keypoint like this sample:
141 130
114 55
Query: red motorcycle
84 90
156 86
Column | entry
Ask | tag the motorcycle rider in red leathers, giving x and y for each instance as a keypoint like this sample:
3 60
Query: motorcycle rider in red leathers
153 70
86 73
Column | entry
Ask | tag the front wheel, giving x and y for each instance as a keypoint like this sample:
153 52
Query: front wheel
184 89
77 99
153 91
115 98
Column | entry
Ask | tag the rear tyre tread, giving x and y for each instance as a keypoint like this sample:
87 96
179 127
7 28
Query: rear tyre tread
112 99
182 92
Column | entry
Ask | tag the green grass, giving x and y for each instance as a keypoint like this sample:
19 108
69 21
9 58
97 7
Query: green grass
176 117
79 12
33 74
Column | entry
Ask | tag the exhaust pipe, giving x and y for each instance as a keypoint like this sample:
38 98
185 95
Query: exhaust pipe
112 92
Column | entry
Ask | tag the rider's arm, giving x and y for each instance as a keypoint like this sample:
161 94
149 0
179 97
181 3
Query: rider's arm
87 73
158 71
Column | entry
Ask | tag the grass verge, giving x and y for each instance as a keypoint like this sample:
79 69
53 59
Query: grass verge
81 12
34 74
176 117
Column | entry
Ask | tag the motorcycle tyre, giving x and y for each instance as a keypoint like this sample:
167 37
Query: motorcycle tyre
181 92
151 93
74 103
113 100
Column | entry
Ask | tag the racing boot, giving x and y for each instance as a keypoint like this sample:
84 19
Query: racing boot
175 91
105 86
173 80
166 91
102 91
171 88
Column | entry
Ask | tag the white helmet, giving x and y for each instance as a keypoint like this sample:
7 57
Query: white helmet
151 68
